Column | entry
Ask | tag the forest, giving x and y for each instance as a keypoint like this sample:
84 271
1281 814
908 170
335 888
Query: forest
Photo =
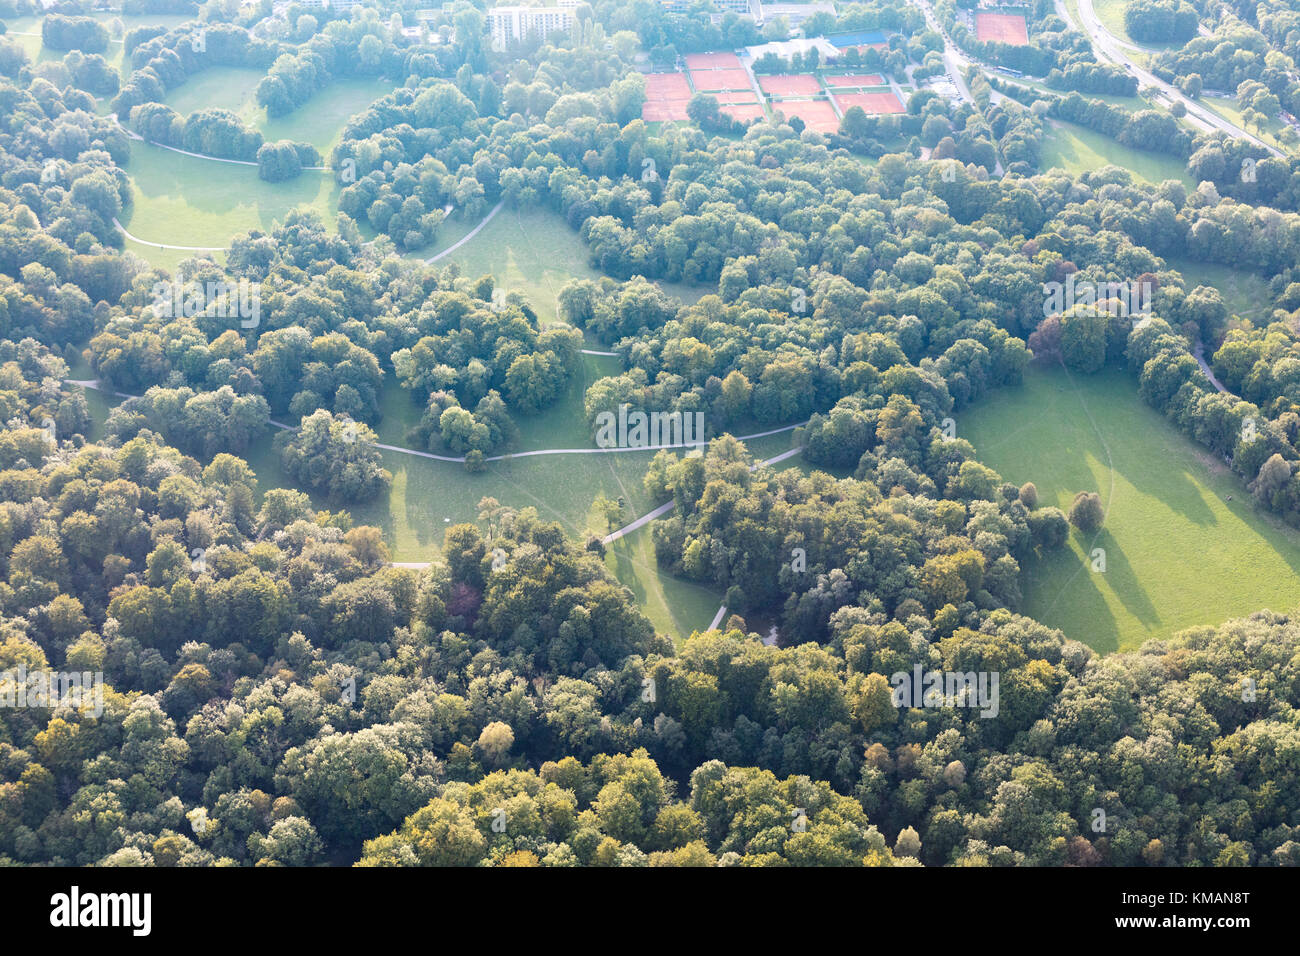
278 690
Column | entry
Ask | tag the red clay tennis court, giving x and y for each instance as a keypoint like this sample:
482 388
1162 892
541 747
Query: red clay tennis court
664 111
856 80
1001 28
735 97
788 85
817 115
712 61
871 103
709 81
667 86
744 113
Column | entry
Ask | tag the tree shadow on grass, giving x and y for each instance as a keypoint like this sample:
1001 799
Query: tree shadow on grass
1123 580
1171 485
209 188
623 553
1069 598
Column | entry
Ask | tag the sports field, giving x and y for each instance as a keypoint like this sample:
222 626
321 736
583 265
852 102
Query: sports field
871 103
818 115
744 113
1001 28
1177 518
666 96
712 61
664 111
736 97
855 80
707 81
860 40
790 85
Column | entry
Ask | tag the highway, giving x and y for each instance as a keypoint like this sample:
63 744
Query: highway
1108 47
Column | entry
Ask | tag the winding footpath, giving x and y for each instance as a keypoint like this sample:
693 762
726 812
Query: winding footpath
663 509
1199 354
609 538
160 245
133 135
459 459
469 235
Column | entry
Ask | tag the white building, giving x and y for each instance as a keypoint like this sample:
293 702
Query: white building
743 7
795 13
512 24
785 49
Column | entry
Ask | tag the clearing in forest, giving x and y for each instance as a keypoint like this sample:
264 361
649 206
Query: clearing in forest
1177 518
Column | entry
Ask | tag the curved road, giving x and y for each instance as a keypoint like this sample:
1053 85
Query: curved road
1108 46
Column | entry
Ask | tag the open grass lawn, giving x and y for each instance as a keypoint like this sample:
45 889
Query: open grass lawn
530 251
675 606
1111 15
219 87
1131 103
1184 543
1245 293
1078 150
35 49
1230 111
183 201
319 121
427 496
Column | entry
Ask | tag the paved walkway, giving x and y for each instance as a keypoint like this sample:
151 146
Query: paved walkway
132 134
468 236
160 245
1199 354
100 387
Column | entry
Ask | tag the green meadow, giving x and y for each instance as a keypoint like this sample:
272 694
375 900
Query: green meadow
1245 293
185 201
319 121
1078 150
427 496
1183 542
531 251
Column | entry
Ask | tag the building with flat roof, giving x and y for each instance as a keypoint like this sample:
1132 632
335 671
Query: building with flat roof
788 48
748 8
861 38
512 24
795 13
